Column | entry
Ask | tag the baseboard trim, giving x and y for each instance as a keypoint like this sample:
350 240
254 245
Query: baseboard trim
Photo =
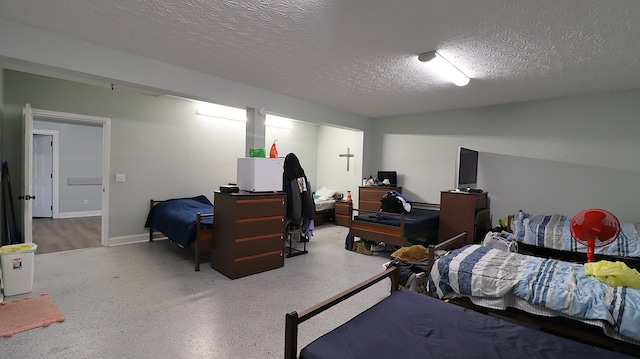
136 238
79 214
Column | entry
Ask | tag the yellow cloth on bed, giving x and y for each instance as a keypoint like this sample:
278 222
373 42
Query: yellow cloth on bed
614 274
411 254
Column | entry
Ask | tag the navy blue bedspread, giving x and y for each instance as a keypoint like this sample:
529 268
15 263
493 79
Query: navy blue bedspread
176 218
415 222
411 325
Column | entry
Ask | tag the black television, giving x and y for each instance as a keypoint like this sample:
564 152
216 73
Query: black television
466 169
392 176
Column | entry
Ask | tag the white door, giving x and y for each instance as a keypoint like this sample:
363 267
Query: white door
26 195
43 175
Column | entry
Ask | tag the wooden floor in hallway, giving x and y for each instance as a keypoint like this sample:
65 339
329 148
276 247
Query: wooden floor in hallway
63 234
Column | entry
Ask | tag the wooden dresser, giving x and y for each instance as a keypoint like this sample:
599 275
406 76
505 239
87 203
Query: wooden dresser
369 196
248 232
344 210
461 211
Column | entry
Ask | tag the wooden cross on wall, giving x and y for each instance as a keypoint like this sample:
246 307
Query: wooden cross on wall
347 155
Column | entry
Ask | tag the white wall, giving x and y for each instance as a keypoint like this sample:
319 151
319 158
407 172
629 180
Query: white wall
557 187
139 121
301 139
319 147
161 144
332 169
597 131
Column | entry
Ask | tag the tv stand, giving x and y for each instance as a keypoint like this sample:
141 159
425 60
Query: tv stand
464 212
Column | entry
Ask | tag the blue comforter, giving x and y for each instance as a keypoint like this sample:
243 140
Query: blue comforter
415 222
561 286
176 218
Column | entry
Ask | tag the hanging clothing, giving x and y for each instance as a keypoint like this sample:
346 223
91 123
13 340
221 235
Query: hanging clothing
299 195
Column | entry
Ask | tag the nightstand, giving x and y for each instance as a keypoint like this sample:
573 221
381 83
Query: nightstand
344 210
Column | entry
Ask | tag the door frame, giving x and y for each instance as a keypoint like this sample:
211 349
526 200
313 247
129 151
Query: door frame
55 163
105 123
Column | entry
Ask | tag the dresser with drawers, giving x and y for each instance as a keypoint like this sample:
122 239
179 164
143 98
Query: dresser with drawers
248 232
369 196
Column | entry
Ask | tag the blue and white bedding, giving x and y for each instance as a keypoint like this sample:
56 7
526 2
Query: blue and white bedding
563 287
552 231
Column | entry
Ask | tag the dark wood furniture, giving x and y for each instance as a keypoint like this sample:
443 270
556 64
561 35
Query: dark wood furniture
369 196
204 234
343 213
464 212
326 215
249 229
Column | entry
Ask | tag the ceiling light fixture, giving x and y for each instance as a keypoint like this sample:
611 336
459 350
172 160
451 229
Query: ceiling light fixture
279 122
443 66
222 112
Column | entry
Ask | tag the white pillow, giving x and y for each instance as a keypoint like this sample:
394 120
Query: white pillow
325 192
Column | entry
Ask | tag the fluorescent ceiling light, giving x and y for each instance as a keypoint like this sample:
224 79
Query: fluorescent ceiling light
440 64
277 121
223 112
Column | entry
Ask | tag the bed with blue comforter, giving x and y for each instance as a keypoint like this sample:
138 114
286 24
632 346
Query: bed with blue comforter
184 221
396 228
548 287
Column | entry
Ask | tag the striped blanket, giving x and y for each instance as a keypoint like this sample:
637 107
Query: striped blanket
552 231
560 286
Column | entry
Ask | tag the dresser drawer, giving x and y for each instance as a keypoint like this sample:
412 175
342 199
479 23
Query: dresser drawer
342 220
371 194
482 201
260 207
343 208
251 227
258 263
371 206
251 246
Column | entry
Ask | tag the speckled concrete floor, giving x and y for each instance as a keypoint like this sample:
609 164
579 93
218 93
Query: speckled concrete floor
145 300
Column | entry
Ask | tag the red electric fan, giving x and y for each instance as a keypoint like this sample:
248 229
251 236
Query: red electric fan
594 228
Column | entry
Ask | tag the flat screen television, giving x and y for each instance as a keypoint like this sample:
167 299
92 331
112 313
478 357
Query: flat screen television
466 169
392 176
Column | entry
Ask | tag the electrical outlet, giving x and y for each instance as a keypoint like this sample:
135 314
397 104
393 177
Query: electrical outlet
120 178
86 201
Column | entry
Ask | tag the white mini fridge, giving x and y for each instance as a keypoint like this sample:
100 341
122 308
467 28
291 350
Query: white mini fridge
260 174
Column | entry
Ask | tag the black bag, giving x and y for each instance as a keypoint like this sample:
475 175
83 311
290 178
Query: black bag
391 203
405 269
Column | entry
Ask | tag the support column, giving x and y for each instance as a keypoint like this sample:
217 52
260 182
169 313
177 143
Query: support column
255 134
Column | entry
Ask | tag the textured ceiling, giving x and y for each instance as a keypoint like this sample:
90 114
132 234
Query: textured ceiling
361 55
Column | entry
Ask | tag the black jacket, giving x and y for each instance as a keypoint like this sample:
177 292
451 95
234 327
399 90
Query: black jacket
299 195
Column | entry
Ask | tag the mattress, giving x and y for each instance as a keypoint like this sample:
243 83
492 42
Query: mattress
411 325
324 204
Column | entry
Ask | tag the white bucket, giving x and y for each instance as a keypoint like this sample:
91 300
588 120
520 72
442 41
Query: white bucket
17 268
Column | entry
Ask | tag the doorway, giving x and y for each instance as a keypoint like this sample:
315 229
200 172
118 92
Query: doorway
45 154
77 214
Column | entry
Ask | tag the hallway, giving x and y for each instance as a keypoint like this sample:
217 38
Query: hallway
63 234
